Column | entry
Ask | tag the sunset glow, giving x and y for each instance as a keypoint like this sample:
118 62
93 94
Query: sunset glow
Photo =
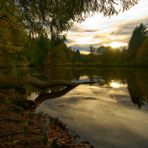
117 44
114 31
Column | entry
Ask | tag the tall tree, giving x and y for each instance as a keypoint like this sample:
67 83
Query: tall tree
77 57
136 40
142 53
92 51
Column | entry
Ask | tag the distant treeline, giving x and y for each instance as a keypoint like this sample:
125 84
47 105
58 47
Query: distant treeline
136 54
19 48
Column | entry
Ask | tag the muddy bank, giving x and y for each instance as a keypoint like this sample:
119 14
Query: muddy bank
21 127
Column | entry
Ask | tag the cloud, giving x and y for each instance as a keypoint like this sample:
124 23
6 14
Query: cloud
90 30
81 48
77 28
124 31
128 27
98 30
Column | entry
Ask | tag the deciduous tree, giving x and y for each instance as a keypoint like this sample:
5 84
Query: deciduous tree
57 15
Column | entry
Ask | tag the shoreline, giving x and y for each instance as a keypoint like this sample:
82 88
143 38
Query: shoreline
20 126
77 65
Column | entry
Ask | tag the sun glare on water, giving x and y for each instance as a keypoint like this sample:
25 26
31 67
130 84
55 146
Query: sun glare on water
115 84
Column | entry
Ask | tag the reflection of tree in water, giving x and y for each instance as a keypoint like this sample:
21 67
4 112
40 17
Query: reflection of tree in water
135 90
136 79
135 93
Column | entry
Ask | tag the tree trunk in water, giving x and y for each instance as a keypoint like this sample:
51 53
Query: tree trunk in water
14 82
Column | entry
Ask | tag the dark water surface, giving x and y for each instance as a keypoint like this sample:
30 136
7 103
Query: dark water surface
110 113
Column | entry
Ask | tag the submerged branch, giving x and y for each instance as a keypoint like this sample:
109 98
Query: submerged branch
18 82
46 96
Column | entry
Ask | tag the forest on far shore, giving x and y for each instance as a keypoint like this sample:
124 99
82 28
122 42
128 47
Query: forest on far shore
18 48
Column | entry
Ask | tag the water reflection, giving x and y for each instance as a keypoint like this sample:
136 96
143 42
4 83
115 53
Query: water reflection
101 115
135 79
115 84
105 113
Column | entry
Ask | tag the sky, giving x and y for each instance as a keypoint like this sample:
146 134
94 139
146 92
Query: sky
114 31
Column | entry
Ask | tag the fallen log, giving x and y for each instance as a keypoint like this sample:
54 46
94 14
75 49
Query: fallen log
14 82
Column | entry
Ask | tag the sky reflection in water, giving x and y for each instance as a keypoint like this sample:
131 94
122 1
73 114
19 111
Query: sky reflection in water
103 115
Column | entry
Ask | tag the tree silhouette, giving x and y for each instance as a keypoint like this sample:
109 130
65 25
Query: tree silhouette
142 53
136 40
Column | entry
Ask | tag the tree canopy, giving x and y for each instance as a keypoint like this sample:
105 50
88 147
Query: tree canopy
57 15
136 40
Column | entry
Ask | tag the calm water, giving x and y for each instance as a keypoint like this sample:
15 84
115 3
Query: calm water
110 113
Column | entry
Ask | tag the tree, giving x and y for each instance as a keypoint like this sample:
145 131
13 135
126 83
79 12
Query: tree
136 40
77 57
12 42
92 51
57 15
142 53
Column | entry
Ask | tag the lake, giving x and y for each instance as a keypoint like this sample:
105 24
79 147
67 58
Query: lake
113 112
